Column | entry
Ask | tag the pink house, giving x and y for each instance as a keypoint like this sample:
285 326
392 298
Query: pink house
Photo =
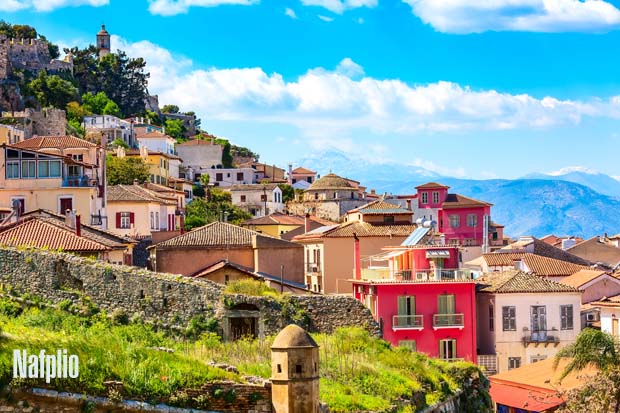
422 300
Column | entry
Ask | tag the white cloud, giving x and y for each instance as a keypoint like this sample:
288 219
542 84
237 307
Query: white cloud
47 5
474 16
340 6
616 177
343 102
290 13
569 169
172 7
325 18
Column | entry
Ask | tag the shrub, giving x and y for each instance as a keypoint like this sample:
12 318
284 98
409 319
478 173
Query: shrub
250 287
10 308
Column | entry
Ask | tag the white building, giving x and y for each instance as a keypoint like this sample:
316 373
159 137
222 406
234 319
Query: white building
523 318
259 199
158 142
109 128
199 156
227 177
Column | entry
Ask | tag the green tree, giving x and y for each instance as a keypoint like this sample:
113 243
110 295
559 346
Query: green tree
100 104
52 90
119 142
598 349
204 179
123 171
217 205
288 192
170 109
175 129
227 158
153 117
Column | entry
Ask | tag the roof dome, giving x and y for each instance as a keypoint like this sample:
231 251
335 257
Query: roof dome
103 31
330 181
293 336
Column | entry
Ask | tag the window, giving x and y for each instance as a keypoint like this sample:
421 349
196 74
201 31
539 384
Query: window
566 314
537 358
242 198
389 219
239 176
125 220
472 220
29 169
22 204
446 304
219 177
455 221
424 198
79 158
49 169
406 309
514 363
447 349
156 220
509 318
538 318
435 197
226 279
263 198
298 368
152 216
73 170
12 170
491 318
410 344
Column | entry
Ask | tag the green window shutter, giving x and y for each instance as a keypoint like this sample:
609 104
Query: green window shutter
453 355
402 305
442 353
412 305
442 304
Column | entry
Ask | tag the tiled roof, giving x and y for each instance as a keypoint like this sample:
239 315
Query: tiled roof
542 248
48 233
460 201
551 267
197 142
514 281
154 134
380 207
136 152
162 189
330 181
218 234
431 185
302 170
360 229
136 193
613 301
582 277
278 218
253 187
502 259
56 142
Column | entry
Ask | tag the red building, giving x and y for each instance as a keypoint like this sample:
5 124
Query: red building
462 220
422 299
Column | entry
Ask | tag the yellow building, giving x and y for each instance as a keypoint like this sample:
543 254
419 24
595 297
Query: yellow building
162 166
10 134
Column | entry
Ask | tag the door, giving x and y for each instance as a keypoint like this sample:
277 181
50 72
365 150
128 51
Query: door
446 308
406 309
539 322
65 203
447 349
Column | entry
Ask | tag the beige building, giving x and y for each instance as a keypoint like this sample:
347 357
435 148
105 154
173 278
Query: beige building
523 318
139 212
258 199
55 173
199 156
10 134
601 250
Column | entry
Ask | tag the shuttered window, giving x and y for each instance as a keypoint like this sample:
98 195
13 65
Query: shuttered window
509 319
447 349
566 312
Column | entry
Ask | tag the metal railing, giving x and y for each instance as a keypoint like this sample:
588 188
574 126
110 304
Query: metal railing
96 220
438 274
541 336
407 322
313 268
78 181
448 320
489 362
453 359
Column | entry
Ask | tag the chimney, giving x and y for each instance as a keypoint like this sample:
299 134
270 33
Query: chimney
78 225
356 257
409 204
290 174
70 219
373 192
307 222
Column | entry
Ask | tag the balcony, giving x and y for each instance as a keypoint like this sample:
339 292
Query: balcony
448 321
81 181
438 274
407 322
313 268
545 337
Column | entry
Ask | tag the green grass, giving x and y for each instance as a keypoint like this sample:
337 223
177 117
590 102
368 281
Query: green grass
251 287
358 372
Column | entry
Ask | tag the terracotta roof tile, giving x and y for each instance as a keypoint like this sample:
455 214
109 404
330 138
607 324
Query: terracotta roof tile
502 259
520 282
136 193
460 201
380 207
330 181
56 142
360 229
48 233
538 247
253 187
154 134
582 277
551 267
197 142
431 185
302 170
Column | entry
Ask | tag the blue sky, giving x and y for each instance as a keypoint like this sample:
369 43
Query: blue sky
462 87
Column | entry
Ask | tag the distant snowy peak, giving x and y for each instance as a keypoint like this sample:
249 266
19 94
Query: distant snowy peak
570 169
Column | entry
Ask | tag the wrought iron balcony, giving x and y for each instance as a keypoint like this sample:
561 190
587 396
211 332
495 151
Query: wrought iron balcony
541 336
448 321
407 322
438 274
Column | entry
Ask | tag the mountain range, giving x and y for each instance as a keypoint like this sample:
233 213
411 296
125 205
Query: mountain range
572 201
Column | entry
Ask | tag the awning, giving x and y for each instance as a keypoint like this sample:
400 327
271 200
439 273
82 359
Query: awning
385 256
526 399
437 254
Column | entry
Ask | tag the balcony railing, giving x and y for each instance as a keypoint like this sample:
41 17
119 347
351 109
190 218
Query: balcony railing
438 274
541 336
453 359
448 321
78 181
96 220
407 322
313 268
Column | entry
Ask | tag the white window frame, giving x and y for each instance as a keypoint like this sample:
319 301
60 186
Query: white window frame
424 198
125 220
435 197
455 221
472 220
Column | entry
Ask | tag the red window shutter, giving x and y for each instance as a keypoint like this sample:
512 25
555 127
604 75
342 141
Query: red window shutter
131 217
118 220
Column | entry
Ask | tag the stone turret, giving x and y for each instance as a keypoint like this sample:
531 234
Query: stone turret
294 372
103 41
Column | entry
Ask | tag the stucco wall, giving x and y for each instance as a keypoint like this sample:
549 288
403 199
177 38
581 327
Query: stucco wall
607 287
188 261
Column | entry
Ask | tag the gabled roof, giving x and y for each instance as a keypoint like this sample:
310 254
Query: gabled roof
253 187
55 142
197 142
431 185
136 193
538 247
302 170
49 233
219 234
155 135
360 229
597 250
136 152
582 277
613 301
502 259
161 189
379 207
278 218
514 281
460 201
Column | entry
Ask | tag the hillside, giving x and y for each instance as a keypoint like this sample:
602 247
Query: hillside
525 206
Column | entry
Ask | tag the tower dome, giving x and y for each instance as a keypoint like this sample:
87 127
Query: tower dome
103 41
330 181
293 336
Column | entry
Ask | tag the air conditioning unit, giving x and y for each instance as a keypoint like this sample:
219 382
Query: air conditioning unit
592 317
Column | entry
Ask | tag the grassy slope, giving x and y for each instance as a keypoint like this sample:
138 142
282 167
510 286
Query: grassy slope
358 372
